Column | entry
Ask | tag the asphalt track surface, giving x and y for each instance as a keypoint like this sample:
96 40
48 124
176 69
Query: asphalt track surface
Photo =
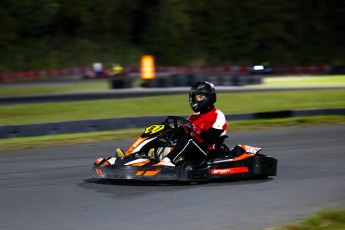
53 188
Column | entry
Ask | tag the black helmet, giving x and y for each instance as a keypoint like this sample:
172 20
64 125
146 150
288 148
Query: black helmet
204 88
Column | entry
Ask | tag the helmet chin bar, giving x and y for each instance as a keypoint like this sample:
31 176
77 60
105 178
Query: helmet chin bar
194 106
197 106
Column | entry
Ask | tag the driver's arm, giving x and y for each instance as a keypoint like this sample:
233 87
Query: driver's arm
211 135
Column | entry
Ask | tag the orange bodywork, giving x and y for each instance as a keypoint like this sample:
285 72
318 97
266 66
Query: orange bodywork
141 163
99 160
147 173
135 144
98 171
243 156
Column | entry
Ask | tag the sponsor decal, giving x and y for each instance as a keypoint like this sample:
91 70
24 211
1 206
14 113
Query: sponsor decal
228 171
250 149
138 142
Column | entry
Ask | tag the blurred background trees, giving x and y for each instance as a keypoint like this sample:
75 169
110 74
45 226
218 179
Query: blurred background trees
41 34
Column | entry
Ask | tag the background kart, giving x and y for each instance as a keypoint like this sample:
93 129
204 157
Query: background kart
140 163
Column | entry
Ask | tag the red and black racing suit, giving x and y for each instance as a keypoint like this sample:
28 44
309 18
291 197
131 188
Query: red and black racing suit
206 135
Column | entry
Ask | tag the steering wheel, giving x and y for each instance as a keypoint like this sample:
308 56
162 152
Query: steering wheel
176 121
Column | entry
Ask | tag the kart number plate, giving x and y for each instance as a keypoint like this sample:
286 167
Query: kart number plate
154 129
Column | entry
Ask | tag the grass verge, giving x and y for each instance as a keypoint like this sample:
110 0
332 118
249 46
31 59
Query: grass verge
305 80
323 220
229 103
17 90
13 144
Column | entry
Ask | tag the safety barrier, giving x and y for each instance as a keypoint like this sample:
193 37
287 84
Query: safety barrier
81 71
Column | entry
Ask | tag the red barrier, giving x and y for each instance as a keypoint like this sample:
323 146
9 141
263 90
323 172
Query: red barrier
80 71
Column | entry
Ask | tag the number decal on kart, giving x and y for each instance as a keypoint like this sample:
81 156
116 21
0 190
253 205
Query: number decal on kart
154 129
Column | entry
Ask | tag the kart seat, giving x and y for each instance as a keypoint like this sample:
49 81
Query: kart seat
237 151
222 149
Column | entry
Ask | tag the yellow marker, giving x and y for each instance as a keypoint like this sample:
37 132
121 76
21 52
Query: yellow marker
147 67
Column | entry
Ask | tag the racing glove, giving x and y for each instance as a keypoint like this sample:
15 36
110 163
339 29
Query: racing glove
191 128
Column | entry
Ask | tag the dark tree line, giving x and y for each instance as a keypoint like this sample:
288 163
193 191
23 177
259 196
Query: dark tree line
57 33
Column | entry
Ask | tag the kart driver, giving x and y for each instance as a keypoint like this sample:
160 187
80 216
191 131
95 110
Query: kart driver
206 131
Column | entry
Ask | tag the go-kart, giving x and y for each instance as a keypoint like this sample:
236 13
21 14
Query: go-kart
141 161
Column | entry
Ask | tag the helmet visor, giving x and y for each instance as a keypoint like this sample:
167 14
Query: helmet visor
199 97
